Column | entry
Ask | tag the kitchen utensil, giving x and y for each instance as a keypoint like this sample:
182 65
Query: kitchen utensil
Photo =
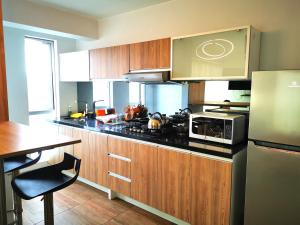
155 121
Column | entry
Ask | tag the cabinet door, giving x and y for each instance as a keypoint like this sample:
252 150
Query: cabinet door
150 55
98 158
82 151
196 92
218 55
144 187
109 63
119 163
174 180
74 66
211 188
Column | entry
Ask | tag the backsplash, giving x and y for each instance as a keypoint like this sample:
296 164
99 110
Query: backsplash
85 95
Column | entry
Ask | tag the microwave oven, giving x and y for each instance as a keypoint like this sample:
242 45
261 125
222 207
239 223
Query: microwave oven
217 127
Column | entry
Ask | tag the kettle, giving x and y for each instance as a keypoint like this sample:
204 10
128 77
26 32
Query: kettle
155 121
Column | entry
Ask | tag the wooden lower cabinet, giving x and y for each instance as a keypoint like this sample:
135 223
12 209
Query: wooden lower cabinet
144 174
57 155
174 183
82 151
211 191
119 164
98 162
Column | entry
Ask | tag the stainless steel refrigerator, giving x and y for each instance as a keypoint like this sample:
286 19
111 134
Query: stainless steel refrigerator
273 166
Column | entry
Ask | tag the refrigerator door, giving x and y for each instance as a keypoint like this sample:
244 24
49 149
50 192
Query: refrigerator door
272 186
275 107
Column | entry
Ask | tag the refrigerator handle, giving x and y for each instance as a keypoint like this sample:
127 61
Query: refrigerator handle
254 144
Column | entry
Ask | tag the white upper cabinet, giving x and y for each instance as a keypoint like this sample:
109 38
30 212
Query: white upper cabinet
223 55
75 66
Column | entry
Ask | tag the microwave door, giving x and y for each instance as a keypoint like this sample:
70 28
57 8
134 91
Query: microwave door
275 107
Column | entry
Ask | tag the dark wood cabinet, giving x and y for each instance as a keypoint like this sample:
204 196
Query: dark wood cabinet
150 55
211 191
144 173
110 62
174 183
3 86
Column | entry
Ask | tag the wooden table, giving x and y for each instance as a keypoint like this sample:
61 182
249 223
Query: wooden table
16 140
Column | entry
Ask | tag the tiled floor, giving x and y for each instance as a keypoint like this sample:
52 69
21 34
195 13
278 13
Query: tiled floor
80 204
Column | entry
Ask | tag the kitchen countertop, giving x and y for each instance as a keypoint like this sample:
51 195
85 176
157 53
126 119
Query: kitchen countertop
171 140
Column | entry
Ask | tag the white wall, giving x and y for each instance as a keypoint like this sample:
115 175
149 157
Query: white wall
49 19
16 76
279 20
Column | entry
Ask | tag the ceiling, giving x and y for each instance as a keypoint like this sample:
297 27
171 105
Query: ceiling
98 8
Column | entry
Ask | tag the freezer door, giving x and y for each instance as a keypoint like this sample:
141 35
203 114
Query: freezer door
272 187
275 107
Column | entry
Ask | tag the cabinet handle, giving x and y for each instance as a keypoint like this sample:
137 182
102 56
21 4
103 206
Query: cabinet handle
119 157
119 177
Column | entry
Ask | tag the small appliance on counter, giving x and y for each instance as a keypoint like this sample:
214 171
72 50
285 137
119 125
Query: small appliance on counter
240 111
217 127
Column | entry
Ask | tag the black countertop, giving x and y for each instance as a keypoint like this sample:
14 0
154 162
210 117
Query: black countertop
171 140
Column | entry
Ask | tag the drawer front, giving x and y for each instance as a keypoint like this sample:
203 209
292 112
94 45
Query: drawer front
119 184
119 146
120 167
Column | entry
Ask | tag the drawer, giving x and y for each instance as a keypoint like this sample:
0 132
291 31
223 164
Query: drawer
119 184
120 146
118 166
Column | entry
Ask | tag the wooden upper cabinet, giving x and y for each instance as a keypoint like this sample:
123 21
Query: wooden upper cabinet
196 92
3 87
109 63
174 183
150 55
211 191
144 186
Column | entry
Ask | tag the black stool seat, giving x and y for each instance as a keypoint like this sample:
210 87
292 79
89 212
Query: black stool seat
19 162
46 180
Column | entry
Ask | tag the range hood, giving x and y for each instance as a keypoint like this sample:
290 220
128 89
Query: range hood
155 77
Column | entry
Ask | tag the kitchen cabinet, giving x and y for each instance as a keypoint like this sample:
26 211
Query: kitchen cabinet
98 162
3 86
220 55
75 66
57 155
174 182
144 173
196 93
119 164
150 55
211 191
82 151
109 63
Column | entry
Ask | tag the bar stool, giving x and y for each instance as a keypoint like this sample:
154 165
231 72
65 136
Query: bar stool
45 181
13 165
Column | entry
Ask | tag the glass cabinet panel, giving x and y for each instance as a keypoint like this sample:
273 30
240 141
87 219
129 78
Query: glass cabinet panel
211 56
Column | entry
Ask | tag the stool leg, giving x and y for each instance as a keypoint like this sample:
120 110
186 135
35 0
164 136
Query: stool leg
48 209
17 203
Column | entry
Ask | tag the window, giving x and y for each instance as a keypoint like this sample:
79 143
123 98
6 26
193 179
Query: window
136 93
102 91
39 71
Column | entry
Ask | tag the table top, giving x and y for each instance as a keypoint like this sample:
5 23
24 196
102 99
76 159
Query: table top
17 139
